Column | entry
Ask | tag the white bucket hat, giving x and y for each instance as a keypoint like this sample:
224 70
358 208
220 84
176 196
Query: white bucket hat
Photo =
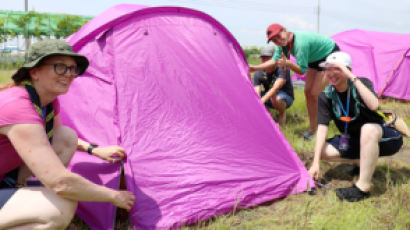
337 57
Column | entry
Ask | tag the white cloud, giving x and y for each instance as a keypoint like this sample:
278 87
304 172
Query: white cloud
295 22
251 31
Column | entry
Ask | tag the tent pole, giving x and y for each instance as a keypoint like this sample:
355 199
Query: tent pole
392 73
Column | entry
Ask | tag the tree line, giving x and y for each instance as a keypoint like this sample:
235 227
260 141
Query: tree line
38 25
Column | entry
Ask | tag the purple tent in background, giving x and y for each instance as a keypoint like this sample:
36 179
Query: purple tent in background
170 85
384 58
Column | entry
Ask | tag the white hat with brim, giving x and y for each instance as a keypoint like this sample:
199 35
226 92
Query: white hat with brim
337 57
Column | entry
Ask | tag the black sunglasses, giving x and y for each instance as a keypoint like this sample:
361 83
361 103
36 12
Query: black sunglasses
62 69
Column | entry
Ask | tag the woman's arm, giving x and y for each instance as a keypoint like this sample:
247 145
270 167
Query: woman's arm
262 66
31 143
321 136
294 67
284 62
368 97
274 90
111 153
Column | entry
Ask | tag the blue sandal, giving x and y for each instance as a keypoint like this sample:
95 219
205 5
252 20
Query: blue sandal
308 136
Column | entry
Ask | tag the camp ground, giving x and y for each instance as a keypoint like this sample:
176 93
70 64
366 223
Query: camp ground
171 85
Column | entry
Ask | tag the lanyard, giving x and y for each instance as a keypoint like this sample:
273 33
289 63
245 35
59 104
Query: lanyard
346 118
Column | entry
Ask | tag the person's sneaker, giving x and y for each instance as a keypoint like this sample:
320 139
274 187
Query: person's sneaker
351 194
308 136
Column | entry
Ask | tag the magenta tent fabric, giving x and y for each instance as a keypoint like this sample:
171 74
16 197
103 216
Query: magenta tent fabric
170 85
378 56
382 57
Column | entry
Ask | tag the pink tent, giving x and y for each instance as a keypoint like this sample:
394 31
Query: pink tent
384 58
170 85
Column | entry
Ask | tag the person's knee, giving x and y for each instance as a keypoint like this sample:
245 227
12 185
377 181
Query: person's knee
370 133
315 94
307 92
280 104
60 220
324 157
311 94
329 153
65 136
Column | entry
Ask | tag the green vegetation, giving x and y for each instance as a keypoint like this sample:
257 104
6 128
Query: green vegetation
10 61
38 25
5 75
252 54
34 25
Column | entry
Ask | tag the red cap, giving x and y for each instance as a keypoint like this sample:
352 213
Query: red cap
273 30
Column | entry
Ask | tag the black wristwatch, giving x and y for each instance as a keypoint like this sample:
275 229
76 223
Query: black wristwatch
90 148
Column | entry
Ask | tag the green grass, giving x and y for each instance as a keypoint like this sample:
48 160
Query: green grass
5 75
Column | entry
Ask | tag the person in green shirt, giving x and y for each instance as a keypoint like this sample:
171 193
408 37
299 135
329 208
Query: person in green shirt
309 49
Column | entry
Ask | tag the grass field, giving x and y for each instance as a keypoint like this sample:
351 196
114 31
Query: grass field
5 75
388 208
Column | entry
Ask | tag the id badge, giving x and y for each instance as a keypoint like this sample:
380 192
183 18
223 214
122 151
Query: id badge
344 142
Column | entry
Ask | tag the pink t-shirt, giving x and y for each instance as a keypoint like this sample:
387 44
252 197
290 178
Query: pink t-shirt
16 108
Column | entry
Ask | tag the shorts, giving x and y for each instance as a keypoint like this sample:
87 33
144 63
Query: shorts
315 65
283 96
8 186
6 194
391 142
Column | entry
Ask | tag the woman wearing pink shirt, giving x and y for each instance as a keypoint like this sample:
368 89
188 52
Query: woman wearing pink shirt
33 140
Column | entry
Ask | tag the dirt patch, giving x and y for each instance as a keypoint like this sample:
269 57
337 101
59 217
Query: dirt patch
402 157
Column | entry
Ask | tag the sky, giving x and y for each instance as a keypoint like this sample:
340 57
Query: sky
247 20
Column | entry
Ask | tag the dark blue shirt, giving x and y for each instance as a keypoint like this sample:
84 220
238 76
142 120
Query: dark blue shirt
266 80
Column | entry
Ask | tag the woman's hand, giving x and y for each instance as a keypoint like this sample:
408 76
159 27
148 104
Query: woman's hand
111 153
252 68
124 199
314 171
282 62
343 70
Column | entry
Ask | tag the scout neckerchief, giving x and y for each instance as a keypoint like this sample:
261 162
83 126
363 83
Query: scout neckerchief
46 112
330 93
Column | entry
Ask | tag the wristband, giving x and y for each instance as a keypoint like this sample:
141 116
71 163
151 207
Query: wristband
90 148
